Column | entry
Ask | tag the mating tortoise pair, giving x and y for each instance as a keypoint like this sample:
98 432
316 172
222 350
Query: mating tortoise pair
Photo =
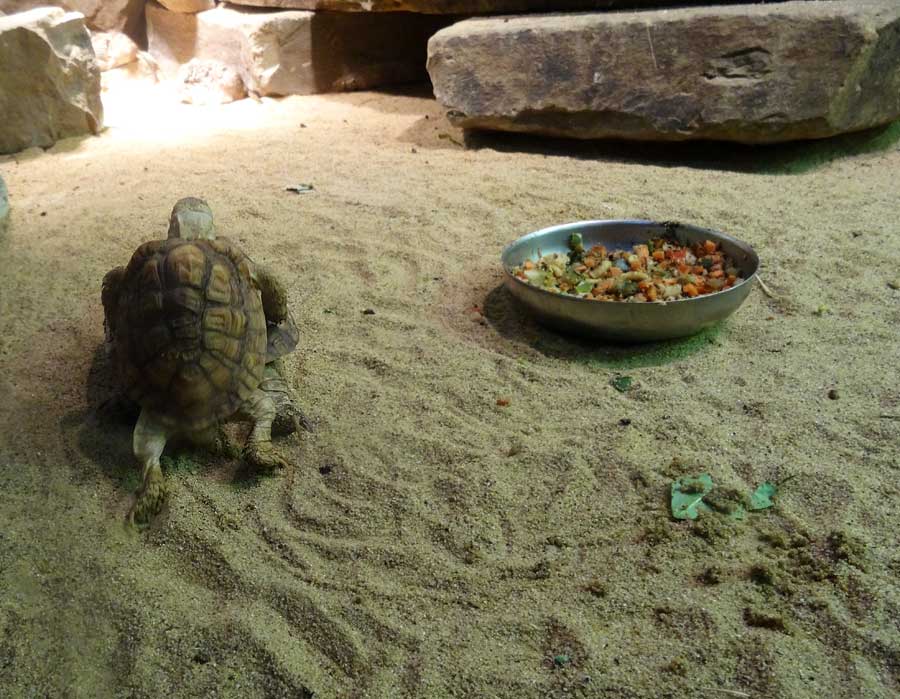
196 329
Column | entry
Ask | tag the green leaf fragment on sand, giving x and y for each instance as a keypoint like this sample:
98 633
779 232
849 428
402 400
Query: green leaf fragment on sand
762 496
687 496
622 383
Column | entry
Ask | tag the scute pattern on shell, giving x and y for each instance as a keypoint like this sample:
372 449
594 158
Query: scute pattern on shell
191 340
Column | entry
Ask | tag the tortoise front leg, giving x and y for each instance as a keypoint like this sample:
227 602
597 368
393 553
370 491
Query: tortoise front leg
259 450
149 441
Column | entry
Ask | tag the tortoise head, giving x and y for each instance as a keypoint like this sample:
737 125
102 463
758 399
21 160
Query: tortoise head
191 219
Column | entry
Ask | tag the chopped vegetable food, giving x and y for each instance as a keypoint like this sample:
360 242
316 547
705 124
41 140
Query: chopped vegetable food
658 270
622 383
762 496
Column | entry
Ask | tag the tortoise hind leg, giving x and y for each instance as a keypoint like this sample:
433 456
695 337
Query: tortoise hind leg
259 450
149 441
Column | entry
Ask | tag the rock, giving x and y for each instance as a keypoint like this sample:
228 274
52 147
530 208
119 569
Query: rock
465 7
188 6
50 83
294 52
175 38
205 81
143 71
113 49
747 73
104 15
4 206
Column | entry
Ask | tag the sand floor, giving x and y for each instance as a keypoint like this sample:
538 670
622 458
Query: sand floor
428 542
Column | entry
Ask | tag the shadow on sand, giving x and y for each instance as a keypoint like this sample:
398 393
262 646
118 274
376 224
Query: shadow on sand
512 322
105 430
792 158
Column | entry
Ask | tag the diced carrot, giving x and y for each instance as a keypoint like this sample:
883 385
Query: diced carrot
690 290
598 251
645 284
659 255
716 274
528 264
642 251
590 262
650 293
683 268
710 246
581 269
614 271
699 269
732 279
678 254
636 264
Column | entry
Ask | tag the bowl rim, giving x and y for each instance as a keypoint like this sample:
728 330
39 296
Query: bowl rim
637 221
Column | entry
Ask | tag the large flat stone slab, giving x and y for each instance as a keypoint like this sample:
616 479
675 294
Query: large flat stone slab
295 52
468 7
49 81
747 73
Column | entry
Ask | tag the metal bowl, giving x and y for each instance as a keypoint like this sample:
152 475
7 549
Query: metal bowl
620 320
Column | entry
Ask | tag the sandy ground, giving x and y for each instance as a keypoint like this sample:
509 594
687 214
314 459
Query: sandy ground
428 542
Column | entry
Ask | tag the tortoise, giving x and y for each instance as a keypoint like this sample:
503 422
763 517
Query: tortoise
192 323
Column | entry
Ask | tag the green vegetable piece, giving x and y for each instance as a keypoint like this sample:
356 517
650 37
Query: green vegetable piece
762 496
576 245
584 287
561 659
622 383
687 496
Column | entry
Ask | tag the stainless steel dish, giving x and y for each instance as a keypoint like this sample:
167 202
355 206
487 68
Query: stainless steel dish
620 320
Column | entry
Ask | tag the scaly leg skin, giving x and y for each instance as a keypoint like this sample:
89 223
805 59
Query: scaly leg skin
288 417
149 441
259 451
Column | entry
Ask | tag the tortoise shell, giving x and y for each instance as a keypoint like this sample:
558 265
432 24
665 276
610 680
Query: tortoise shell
191 331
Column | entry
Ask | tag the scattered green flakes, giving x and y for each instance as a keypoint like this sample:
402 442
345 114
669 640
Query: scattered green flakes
622 383
762 496
821 310
687 496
